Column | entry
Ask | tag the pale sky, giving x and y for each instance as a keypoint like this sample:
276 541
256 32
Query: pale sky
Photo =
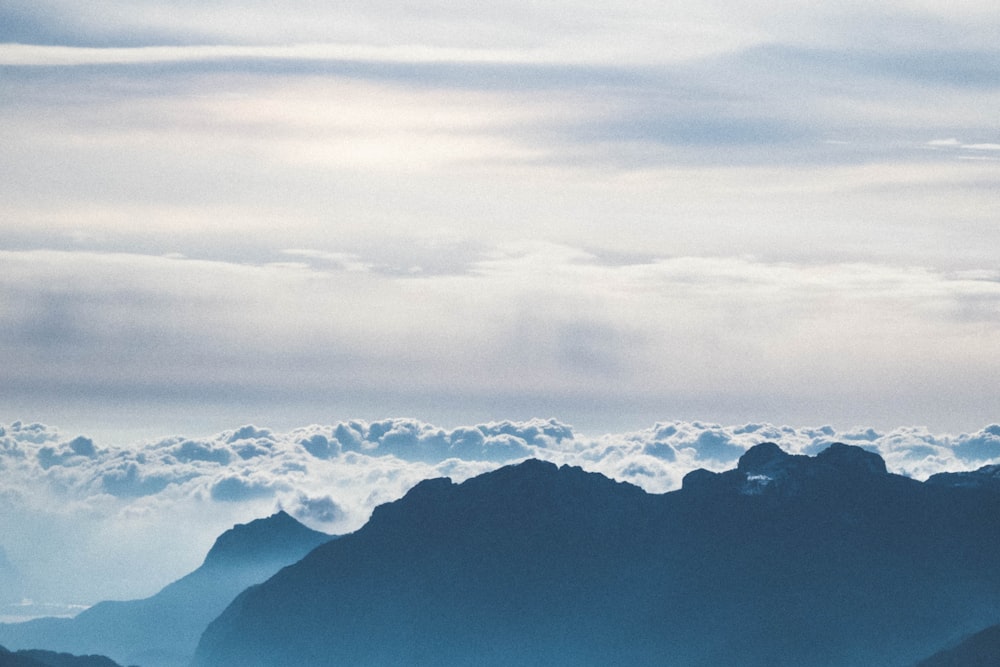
216 213
630 218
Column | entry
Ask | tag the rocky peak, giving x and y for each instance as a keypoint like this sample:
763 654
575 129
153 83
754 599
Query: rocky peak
849 458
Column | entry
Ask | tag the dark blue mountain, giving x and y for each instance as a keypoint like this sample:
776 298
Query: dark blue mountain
987 477
163 630
38 658
980 650
825 561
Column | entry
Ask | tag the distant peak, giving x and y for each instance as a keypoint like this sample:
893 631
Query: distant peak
852 458
259 537
764 455
987 477
767 466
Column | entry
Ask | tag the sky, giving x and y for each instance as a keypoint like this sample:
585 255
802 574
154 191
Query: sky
215 214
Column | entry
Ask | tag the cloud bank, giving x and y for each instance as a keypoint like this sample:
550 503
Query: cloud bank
137 516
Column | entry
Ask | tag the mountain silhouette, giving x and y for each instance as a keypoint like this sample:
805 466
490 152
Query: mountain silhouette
39 658
163 630
987 477
824 561
980 650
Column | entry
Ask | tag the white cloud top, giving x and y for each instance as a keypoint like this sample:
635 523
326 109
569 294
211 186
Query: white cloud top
136 516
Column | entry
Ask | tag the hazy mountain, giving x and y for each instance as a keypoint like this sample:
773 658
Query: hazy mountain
163 630
38 658
980 650
787 560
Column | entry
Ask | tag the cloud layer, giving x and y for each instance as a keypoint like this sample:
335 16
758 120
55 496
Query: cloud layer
137 516
216 215
528 327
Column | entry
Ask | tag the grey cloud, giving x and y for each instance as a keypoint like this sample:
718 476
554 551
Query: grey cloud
234 489
250 432
34 432
981 446
416 441
128 480
534 432
76 452
82 446
320 446
868 434
323 509
190 450
660 450
717 445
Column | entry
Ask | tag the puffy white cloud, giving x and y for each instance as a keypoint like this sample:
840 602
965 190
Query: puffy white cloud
136 516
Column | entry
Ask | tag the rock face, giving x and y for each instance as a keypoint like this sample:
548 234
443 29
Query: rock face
787 560
163 630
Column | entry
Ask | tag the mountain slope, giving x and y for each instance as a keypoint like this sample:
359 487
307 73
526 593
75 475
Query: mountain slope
38 658
163 630
787 560
980 650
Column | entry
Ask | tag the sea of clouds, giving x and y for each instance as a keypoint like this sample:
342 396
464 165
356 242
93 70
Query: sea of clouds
82 522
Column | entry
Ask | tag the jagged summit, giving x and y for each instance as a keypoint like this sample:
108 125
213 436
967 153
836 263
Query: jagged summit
826 561
766 468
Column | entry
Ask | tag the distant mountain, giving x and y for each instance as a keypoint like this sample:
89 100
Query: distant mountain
163 630
825 561
980 650
37 658
987 477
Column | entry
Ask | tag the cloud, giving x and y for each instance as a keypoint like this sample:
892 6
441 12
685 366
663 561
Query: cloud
551 325
322 509
162 502
240 488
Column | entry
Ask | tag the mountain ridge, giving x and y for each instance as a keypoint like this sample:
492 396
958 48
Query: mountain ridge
981 649
785 560
162 630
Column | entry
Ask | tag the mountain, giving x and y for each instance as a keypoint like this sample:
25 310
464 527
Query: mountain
825 561
37 658
163 630
987 477
980 650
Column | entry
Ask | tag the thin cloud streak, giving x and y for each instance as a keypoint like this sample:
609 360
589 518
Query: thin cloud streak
540 319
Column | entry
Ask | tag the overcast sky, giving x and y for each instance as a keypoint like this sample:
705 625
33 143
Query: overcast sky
218 213
223 213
